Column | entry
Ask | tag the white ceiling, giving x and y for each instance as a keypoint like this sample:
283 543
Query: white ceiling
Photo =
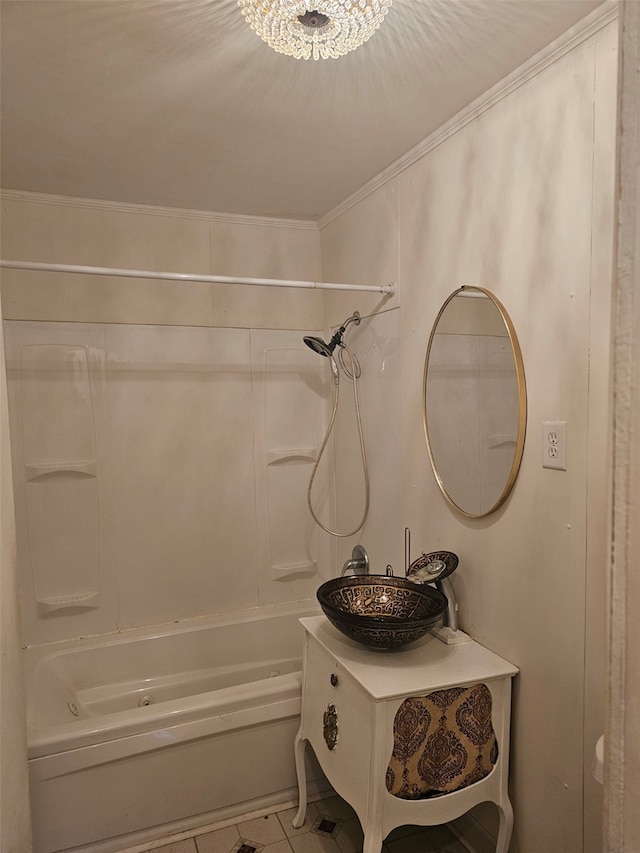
178 103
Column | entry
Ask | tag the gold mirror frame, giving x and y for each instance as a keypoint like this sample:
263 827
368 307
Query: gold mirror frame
522 404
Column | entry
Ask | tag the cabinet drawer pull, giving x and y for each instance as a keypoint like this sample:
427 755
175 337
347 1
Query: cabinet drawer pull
334 679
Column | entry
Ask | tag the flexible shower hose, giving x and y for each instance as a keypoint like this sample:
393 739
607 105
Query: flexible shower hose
353 373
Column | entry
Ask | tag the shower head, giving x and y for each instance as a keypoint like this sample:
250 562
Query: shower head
326 349
319 346
322 348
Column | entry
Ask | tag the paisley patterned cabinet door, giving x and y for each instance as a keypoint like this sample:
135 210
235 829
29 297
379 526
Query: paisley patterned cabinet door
442 742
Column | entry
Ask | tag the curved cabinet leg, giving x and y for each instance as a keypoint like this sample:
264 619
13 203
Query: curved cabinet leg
301 774
505 811
372 841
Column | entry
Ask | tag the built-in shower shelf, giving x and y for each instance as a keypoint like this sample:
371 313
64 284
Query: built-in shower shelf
89 469
285 569
87 600
60 390
283 457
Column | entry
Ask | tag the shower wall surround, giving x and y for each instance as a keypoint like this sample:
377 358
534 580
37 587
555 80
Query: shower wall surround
161 472
376 342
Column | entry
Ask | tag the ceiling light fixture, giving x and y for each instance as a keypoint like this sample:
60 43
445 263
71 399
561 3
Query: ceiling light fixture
326 29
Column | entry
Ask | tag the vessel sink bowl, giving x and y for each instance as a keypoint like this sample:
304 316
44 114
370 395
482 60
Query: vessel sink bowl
381 612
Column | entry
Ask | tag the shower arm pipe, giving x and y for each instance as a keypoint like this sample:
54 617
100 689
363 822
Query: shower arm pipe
387 289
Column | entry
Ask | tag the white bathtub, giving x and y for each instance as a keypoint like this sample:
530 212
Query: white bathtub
145 733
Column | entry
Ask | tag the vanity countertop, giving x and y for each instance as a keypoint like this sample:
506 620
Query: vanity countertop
425 664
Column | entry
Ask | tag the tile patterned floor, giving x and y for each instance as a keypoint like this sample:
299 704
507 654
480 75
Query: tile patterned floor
331 826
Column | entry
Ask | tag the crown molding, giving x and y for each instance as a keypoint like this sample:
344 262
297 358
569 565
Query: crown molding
559 47
152 210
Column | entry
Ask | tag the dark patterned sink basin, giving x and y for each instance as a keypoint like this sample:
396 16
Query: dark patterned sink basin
381 612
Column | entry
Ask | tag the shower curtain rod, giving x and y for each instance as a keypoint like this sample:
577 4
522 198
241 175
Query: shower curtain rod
387 289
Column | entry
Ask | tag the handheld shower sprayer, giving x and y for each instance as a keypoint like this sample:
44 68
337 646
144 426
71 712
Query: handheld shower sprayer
353 372
326 349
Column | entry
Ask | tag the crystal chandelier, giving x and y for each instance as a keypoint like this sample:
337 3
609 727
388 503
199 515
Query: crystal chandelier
321 29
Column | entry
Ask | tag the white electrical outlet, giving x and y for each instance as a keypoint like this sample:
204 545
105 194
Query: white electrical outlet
554 444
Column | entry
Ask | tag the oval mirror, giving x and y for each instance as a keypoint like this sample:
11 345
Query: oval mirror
474 402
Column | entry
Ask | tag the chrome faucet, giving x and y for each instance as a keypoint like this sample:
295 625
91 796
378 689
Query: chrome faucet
450 615
435 568
359 562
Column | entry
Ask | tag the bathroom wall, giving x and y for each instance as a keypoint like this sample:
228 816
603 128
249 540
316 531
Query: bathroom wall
15 822
516 195
376 346
362 256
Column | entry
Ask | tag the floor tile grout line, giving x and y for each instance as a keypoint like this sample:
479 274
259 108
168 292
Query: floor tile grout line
288 840
196 832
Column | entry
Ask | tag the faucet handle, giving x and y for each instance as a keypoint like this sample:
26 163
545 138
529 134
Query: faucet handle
359 562
432 567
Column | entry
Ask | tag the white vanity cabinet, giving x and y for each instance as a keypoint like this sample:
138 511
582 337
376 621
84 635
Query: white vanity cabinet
350 696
